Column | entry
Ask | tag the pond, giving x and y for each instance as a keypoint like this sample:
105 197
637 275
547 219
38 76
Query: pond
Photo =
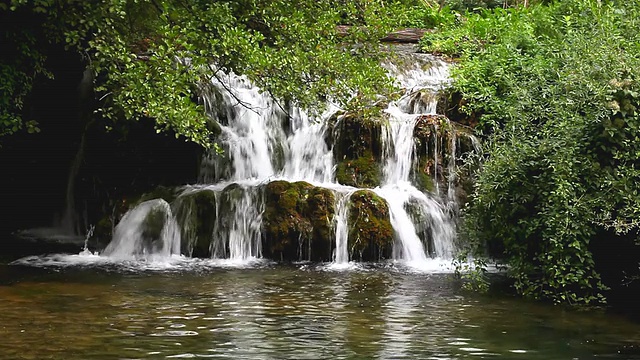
86 307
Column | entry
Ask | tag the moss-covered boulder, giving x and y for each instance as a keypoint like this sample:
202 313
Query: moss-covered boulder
456 150
357 148
195 212
370 231
422 222
364 171
297 221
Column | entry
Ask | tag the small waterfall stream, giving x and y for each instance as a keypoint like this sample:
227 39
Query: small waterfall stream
147 231
399 148
263 142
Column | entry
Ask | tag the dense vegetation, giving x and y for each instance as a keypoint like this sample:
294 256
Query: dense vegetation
555 88
147 57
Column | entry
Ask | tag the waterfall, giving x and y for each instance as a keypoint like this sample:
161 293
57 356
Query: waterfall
307 154
147 231
237 225
251 130
399 147
264 141
341 253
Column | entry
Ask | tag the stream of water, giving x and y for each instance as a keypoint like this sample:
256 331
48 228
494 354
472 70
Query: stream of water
217 309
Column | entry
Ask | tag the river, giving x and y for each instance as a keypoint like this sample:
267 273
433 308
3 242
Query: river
85 307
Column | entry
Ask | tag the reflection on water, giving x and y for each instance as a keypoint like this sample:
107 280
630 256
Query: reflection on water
285 312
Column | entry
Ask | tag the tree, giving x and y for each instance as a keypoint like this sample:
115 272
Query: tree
148 57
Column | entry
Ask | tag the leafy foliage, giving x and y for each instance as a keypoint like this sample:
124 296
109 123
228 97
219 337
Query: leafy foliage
556 87
148 56
18 69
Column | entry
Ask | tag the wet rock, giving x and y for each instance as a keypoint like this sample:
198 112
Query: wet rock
429 168
439 142
165 193
370 231
297 221
422 223
196 214
232 200
357 149
363 171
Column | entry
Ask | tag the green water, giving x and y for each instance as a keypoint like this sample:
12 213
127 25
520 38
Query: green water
271 311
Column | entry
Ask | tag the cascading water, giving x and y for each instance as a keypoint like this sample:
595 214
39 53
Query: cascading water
263 142
237 226
341 253
149 230
399 148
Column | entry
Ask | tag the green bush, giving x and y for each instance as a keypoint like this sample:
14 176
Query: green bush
557 93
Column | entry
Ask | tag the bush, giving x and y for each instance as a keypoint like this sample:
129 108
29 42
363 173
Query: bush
556 87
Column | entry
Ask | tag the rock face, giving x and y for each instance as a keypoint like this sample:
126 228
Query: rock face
297 221
357 150
370 231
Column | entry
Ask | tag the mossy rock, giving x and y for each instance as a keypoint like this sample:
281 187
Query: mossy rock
196 214
320 210
356 135
297 221
370 230
363 172
103 231
428 126
419 101
357 147
152 227
228 199
429 167
423 179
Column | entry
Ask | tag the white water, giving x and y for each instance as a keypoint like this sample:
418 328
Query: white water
243 223
341 253
398 150
147 231
264 142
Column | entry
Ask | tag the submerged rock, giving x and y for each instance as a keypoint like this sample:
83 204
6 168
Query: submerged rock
370 230
297 221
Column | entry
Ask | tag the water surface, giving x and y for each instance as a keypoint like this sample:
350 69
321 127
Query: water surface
100 310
